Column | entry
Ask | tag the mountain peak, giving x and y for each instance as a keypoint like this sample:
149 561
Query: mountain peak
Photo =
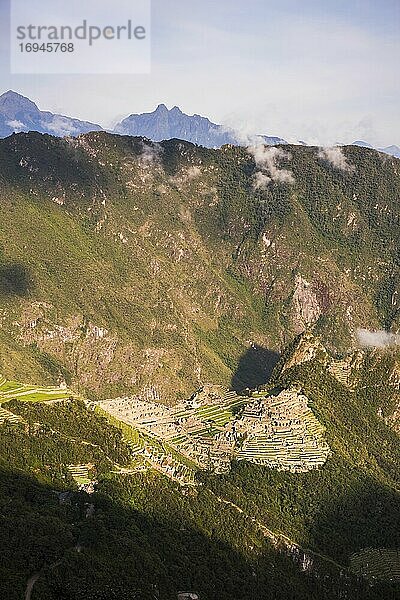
362 144
12 96
18 113
161 108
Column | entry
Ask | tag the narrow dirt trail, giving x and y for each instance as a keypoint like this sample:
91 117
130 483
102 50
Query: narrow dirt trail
33 578
278 537
29 586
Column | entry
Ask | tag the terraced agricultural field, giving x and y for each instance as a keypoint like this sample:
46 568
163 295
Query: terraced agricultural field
283 433
10 390
378 563
80 473
6 415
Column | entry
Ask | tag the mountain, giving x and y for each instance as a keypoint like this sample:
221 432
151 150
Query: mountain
185 269
18 113
164 124
362 144
274 140
392 150
108 506
199 376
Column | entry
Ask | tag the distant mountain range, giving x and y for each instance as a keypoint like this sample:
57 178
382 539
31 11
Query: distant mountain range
392 150
164 124
18 113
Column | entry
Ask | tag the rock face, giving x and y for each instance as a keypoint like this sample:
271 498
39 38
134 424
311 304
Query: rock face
164 124
18 113
306 308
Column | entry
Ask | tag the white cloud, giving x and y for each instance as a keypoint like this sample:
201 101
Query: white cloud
267 159
16 125
151 154
60 126
377 339
261 181
336 158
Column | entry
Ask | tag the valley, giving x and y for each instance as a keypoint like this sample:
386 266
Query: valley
196 443
186 399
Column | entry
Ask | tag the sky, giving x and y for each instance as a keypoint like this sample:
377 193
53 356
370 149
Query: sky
322 71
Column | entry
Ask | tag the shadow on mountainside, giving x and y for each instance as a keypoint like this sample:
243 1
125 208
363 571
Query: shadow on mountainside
254 368
367 516
143 547
15 280
123 553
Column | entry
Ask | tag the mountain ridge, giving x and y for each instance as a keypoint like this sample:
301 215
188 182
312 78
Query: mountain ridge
158 125
141 212
18 113
189 399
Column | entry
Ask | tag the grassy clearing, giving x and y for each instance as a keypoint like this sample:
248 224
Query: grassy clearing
13 390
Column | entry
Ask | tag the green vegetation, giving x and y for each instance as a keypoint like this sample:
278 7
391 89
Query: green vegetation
353 502
12 390
142 280
134 265
145 532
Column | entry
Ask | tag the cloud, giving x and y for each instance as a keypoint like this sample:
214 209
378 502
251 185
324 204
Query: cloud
151 154
60 126
377 339
266 159
241 134
16 125
336 158
261 181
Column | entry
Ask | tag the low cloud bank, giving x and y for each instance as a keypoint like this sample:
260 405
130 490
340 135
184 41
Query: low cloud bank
60 126
336 157
377 339
151 154
266 158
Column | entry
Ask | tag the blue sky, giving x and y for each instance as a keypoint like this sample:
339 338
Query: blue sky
321 70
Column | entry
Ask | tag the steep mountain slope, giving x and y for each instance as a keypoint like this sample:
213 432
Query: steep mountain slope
129 266
18 113
351 504
252 532
145 270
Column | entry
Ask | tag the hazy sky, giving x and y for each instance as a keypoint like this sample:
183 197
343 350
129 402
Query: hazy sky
320 70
